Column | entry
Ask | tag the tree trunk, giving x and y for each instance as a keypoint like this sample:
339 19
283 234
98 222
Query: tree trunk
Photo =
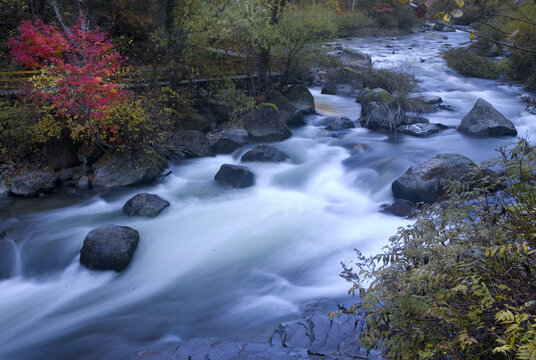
59 16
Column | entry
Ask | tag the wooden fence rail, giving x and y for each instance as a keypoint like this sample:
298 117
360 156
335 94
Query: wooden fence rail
144 75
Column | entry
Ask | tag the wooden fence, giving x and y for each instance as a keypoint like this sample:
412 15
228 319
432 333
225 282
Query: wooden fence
145 75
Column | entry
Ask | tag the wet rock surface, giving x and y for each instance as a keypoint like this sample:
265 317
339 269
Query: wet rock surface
109 247
235 175
421 129
33 183
300 97
485 120
425 182
264 124
144 204
264 153
230 140
313 337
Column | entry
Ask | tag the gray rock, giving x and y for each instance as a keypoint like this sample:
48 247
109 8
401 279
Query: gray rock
436 37
382 116
432 100
329 89
342 123
288 113
67 174
356 60
115 170
264 153
109 247
377 95
33 183
60 153
230 140
443 28
485 120
421 129
264 124
314 337
400 207
426 181
83 183
301 97
235 175
191 144
145 204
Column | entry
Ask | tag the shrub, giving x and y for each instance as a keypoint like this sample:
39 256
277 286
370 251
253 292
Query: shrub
466 62
459 283
353 24
401 82
17 130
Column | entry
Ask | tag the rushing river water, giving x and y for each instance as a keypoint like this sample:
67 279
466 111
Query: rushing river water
231 263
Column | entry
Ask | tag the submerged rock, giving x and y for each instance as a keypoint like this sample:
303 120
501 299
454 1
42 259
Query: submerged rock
485 120
313 337
342 123
426 181
301 97
264 153
400 207
421 129
230 140
264 124
144 204
235 175
33 183
109 247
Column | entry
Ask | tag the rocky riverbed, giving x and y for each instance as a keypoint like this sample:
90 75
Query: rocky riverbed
227 258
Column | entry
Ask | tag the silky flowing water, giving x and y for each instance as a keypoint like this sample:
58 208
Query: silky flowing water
229 263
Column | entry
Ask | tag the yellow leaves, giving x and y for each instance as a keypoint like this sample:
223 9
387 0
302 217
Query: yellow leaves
460 3
472 34
513 34
446 18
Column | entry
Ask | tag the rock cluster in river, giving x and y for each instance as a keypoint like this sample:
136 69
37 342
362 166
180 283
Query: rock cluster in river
264 153
313 337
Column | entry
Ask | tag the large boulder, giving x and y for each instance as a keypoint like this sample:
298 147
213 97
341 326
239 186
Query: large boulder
426 181
230 140
485 120
356 60
373 95
264 153
60 153
144 204
377 115
115 170
343 81
264 124
235 175
191 144
109 247
288 113
33 183
300 97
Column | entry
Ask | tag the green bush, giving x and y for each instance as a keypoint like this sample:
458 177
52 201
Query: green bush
17 130
461 282
401 82
466 62
353 23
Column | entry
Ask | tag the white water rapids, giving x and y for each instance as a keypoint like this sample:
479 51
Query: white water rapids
231 263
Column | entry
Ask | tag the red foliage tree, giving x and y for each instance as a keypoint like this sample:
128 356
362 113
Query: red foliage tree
81 62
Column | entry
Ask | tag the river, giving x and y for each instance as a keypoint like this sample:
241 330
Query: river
231 263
